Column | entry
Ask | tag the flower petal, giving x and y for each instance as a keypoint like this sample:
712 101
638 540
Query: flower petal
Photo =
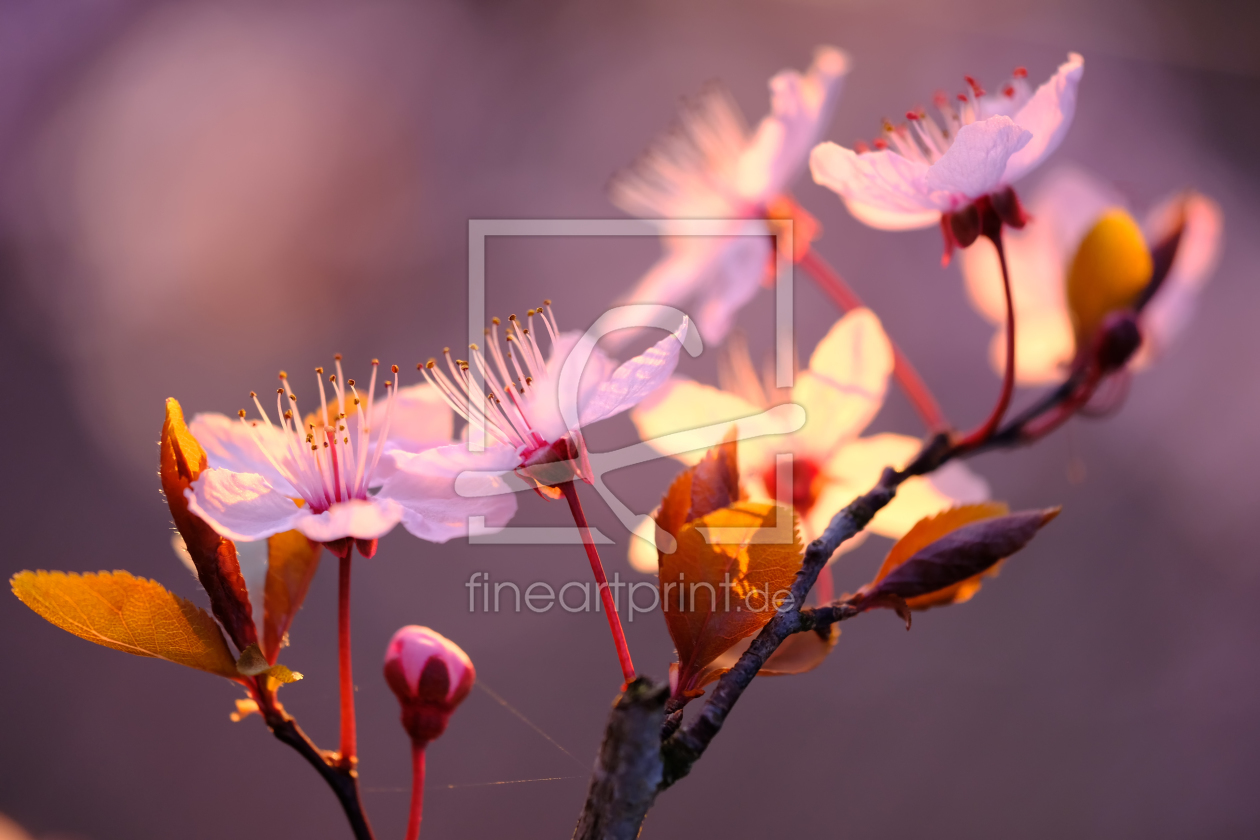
1047 115
1170 309
634 380
735 276
1064 206
231 445
857 466
363 519
423 485
974 164
689 173
242 506
800 107
882 189
421 420
845 385
681 405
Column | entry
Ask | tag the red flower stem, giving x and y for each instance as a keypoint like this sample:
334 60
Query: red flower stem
985 430
349 747
614 621
417 790
830 281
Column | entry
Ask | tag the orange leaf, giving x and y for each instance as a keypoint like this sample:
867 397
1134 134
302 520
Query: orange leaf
927 531
798 653
714 594
182 460
943 559
291 563
130 614
710 485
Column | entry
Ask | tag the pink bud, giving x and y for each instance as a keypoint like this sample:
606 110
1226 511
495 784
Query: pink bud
430 675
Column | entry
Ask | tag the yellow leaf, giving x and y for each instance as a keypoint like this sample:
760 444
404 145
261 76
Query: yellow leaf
244 708
715 594
291 563
252 663
130 614
1111 268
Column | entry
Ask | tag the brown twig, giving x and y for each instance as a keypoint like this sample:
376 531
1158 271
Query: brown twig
343 782
628 772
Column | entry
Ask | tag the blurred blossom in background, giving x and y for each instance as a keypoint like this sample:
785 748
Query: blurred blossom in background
194 196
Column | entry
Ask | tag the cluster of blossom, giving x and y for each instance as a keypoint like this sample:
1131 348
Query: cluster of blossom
1085 291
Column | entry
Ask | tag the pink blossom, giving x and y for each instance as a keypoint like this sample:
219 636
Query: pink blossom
322 474
712 167
537 405
983 144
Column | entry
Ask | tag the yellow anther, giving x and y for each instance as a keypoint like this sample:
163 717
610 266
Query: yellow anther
241 414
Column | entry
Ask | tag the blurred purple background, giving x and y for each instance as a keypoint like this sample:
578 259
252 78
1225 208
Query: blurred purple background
194 196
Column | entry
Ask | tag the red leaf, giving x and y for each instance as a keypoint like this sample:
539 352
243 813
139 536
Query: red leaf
182 460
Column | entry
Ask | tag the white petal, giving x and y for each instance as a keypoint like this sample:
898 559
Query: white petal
689 173
845 385
423 484
974 164
1170 309
364 519
681 405
881 188
242 506
735 278
1065 204
1047 115
800 108
421 419
543 402
634 380
882 219
859 464
230 445
642 549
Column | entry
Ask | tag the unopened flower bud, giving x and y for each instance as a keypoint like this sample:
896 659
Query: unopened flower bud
1111 268
1118 339
431 676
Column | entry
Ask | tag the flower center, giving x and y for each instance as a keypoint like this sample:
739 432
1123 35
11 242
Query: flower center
922 138
805 483
328 456
518 381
